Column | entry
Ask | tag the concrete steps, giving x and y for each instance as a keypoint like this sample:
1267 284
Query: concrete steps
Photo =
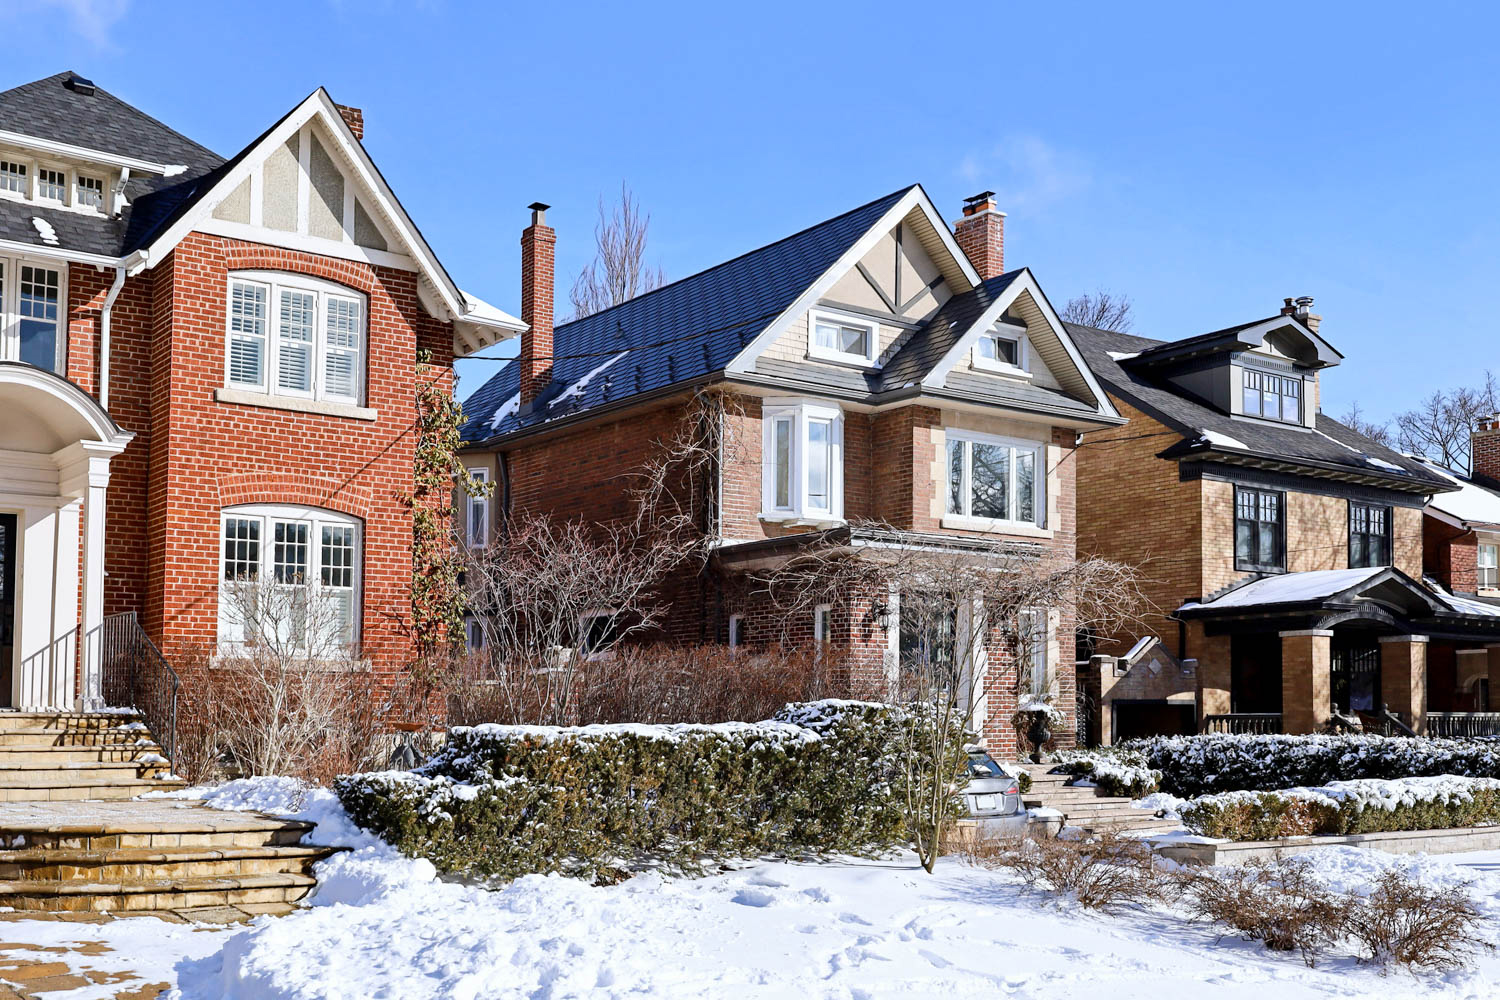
64 756
1085 807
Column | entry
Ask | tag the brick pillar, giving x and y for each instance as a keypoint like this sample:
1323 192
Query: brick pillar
1306 668
981 235
1403 677
538 251
1492 653
1213 674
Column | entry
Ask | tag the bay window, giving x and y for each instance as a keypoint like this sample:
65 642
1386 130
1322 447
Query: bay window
996 479
288 335
32 296
1369 535
803 467
291 575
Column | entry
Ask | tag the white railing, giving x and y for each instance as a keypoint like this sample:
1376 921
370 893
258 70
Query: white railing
47 676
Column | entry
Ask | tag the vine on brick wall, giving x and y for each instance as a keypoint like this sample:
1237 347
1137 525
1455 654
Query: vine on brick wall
437 597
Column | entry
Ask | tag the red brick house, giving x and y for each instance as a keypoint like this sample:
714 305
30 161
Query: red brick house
1288 557
206 374
886 369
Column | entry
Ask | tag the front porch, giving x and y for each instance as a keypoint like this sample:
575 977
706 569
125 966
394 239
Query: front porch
56 443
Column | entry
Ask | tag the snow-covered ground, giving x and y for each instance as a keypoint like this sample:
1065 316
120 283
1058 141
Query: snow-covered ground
382 926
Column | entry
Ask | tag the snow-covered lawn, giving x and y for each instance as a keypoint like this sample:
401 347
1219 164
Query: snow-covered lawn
381 926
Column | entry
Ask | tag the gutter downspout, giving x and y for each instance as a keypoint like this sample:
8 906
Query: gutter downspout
104 314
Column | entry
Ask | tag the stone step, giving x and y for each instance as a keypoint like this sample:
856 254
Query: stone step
283 888
147 863
104 752
64 721
161 824
41 739
106 788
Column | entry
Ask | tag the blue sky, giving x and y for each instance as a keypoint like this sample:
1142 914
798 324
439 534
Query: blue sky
1206 160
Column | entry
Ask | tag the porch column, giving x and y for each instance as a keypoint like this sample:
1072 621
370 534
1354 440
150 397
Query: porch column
88 477
1403 677
1213 674
1306 670
1492 653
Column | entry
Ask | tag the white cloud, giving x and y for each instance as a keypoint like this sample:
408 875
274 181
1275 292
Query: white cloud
1027 172
91 20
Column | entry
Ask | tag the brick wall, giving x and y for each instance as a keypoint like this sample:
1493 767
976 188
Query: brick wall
1450 554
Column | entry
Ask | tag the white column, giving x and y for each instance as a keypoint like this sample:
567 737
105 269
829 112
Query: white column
92 696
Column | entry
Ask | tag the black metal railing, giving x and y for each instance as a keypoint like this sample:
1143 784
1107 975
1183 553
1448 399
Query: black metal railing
1461 725
1240 723
136 675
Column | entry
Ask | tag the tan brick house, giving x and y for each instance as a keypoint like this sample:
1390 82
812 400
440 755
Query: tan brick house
872 358
207 373
1283 551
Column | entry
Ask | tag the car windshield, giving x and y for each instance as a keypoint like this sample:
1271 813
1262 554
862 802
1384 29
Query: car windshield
982 765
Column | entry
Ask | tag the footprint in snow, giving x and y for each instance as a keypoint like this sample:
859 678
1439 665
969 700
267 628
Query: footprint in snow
751 896
817 895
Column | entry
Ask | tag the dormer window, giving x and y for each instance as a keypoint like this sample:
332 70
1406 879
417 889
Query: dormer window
90 192
1273 397
13 177
51 185
841 337
1001 349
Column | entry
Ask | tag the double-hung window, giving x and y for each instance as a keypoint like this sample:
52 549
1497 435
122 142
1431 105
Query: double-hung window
478 512
32 296
1369 535
13 179
841 337
291 575
90 191
1258 530
803 467
1274 397
1001 349
51 185
1032 630
287 335
996 479
1488 569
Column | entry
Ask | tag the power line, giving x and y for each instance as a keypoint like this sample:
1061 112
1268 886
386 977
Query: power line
636 347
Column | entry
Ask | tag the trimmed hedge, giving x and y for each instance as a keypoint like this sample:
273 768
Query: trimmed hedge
1345 807
1209 764
1116 770
502 801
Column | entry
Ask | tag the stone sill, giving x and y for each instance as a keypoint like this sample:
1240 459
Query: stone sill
992 526
242 397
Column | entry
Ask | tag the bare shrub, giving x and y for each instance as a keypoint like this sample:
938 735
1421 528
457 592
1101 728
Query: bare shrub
1404 922
1102 872
1277 902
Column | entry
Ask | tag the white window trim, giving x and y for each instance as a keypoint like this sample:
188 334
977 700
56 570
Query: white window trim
317 517
736 630
823 623
1004 331
1494 566
10 308
275 282
36 183
1037 526
801 413
69 201
1041 654
79 176
472 504
872 342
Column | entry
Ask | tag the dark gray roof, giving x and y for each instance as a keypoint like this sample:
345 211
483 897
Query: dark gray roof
675 334
927 346
46 109
1329 444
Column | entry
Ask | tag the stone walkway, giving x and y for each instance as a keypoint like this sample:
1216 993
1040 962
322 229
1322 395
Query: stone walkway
29 972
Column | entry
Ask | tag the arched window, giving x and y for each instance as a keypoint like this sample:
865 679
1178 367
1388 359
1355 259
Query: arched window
290 574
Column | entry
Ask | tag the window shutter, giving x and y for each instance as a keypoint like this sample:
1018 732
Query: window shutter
294 344
341 337
247 334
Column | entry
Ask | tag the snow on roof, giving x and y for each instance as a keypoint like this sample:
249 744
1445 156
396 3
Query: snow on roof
1222 440
481 311
1123 355
1469 606
576 389
505 409
1288 588
1472 504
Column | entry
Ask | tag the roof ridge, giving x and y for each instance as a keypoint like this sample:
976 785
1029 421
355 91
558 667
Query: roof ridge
739 257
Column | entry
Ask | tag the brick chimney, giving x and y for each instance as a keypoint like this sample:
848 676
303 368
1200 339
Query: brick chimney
354 118
981 234
1301 308
538 251
1484 448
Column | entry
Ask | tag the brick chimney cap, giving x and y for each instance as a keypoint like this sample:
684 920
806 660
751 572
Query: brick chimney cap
981 196
538 206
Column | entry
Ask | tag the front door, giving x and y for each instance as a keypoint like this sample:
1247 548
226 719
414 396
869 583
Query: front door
1355 679
7 604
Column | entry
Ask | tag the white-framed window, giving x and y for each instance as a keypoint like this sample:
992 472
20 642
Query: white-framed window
995 479
1002 348
90 192
290 335
306 553
477 513
822 623
33 299
51 184
736 629
835 336
14 178
1488 569
803 465
473 634
1033 629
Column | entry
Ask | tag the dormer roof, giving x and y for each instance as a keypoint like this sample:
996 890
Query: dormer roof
1285 334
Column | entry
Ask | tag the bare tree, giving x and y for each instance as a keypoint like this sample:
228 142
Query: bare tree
955 605
1439 427
1102 310
618 272
1354 419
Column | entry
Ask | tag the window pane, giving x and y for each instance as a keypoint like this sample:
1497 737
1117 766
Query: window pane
1008 351
986 347
819 463
295 341
990 488
241 548
826 335
782 431
51 184
337 555
956 477
341 347
1268 544
854 340
1025 486
247 334
289 553
13 177
91 192
1244 543
38 307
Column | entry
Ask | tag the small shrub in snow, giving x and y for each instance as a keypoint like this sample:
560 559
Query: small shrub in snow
1211 763
1102 872
1116 770
1406 923
1280 903
1342 807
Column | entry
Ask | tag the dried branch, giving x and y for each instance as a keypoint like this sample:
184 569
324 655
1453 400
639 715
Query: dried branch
618 271
1102 311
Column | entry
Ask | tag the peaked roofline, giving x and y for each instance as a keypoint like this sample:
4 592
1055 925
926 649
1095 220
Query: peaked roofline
1244 334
